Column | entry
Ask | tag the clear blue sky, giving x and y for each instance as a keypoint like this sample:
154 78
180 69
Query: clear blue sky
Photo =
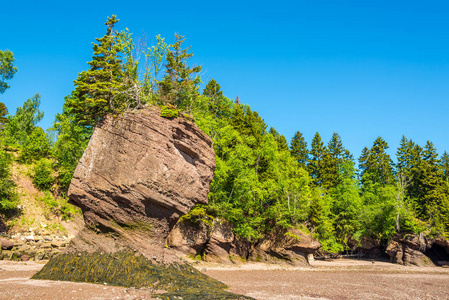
360 68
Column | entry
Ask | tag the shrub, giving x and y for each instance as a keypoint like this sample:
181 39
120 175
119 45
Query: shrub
37 146
169 111
43 178
8 196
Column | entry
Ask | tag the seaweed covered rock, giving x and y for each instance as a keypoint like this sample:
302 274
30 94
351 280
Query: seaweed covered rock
177 281
138 175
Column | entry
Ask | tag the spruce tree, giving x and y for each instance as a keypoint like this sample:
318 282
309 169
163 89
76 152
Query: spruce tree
317 153
377 164
179 86
444 165
98 90
298 149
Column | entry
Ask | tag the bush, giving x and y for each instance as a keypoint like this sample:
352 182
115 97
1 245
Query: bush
37 146
169 111
43 178
8 196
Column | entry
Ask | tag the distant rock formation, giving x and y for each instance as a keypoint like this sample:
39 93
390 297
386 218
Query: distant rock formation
418 250
140 171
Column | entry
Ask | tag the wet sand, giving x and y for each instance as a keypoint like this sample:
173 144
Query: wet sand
337 279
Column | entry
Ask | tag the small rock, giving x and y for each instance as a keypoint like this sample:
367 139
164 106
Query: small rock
25 257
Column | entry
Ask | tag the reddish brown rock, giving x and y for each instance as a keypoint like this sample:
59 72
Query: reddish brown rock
189 237
291 245
6 244
25 257
220 243
409 249
141 171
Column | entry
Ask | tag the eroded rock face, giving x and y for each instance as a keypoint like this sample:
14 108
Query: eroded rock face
291 245
409 250
142 170
217 243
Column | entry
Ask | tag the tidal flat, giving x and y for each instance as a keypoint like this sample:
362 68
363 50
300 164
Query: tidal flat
333 279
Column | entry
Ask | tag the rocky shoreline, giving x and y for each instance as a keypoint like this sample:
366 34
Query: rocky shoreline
32 246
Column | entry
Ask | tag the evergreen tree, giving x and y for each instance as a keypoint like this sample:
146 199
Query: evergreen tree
444 164
298 149
98 89
315 163
377 164
334 157
179 86
212 89
7 69
280 139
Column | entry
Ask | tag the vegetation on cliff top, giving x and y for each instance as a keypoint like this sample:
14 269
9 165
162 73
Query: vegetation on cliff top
260 180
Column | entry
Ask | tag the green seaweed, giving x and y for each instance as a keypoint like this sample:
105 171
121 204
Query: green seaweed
180 281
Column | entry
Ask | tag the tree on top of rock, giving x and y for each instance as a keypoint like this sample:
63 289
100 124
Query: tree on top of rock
179 86
98 89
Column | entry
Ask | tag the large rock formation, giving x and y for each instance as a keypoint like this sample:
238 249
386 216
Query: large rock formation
141 172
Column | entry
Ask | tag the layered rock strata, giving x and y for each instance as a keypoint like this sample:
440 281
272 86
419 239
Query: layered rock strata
217 243
138 175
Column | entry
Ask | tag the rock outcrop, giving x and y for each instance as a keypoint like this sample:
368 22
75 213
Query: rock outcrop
293 246
410 249
138 175
217 243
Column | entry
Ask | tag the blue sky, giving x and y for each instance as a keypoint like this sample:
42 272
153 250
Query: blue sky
360 68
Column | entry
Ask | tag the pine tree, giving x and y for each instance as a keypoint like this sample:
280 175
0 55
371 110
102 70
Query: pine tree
98 89
298 149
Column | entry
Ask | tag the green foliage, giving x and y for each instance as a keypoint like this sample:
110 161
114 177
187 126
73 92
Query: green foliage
3 115
198 214
59 206
21 125
8 196
169 111
7 69
43 175
98 90
72 140
180 281
298 149
179 86
377 163
37 145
